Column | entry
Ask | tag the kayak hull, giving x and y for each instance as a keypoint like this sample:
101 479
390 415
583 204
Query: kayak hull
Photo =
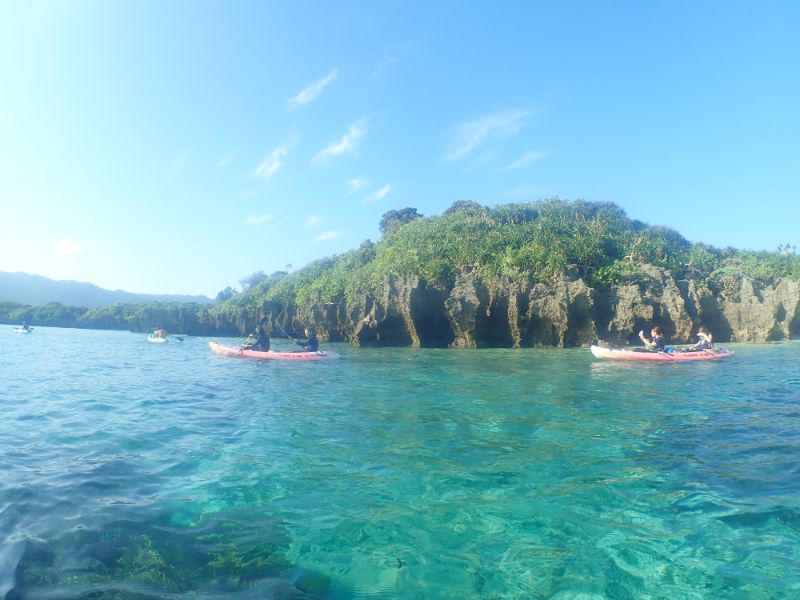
156 340
224 350
645 356
22 330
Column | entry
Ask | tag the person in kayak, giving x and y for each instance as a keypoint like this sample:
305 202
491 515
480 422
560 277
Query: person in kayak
657 342
160 333
260 340
311 344
25 326
705 340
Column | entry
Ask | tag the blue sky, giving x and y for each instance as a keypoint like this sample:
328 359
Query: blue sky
177 147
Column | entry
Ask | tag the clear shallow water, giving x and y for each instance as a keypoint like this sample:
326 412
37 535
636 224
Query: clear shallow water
135 470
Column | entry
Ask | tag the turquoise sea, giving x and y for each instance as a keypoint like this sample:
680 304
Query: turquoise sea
141 471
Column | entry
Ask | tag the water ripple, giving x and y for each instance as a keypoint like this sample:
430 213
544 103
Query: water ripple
141 471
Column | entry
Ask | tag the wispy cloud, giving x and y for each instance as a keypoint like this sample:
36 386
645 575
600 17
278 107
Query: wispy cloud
257 219
313 90
526 159
379 195
357 183
272 162
468 136
348 143
224 161
328 235
181 159
68 247
313 221
388 62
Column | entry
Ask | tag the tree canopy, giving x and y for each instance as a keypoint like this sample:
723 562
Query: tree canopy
538 240
395 218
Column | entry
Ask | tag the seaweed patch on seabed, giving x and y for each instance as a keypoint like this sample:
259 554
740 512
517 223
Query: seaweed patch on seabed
221 556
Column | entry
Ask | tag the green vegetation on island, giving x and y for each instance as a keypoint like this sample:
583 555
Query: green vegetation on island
539 241
535 242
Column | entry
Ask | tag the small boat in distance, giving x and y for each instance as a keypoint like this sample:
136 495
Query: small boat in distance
648 356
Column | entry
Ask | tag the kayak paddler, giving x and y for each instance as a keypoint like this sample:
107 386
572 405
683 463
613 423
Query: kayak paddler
260 340
657 342
705 340
311 344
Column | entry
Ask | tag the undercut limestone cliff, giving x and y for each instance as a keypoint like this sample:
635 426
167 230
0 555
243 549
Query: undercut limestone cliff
762 315
478 313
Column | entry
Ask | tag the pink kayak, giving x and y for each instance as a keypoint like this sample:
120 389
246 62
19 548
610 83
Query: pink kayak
677 356
269 355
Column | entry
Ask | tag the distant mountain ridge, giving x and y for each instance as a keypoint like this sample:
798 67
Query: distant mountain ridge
36 290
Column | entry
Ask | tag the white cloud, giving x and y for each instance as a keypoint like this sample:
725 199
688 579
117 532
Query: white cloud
181 159
313 90
313 221
68 247
328 235
468 136
257 219
357 183
272 162
526 159
379 195
388 62
348 143
224 161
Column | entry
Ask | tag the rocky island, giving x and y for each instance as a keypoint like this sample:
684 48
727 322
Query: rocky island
547 273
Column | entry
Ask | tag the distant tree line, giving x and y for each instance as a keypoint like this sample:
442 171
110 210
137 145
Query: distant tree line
52 314
176 317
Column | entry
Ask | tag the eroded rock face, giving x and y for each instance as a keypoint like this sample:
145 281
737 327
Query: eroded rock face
475 313
656 300
561 314
404 312
762 315
464 304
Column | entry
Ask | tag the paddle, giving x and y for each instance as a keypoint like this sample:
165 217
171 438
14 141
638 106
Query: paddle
251 336
282 331
244 343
